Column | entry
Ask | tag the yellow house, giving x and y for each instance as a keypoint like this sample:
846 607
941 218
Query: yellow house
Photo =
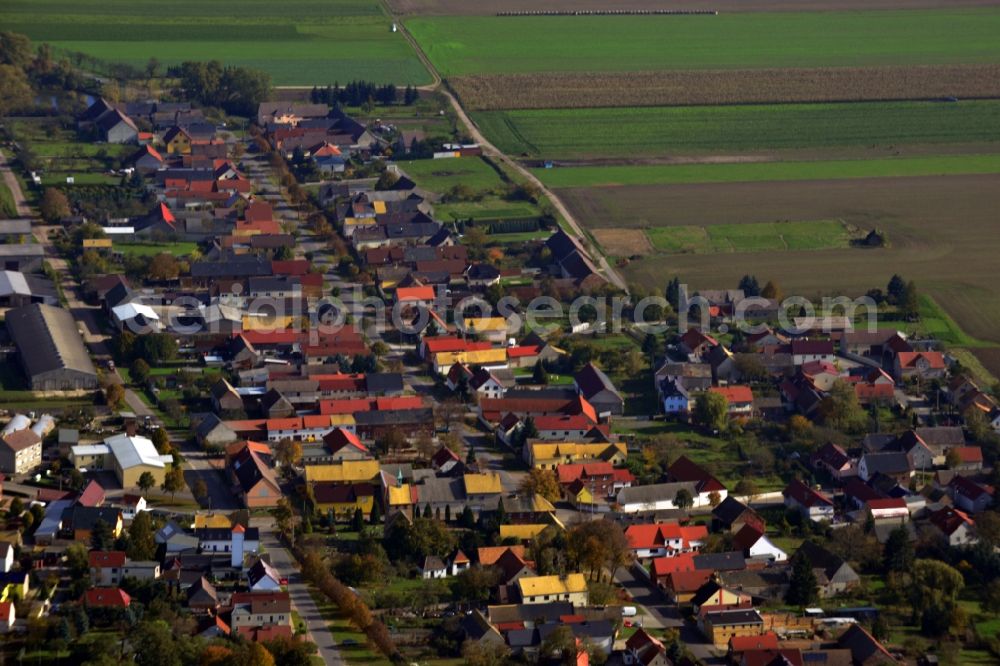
549 455
348 471
178 141
344 499
490 358
580 496
400 497
720 626
544 589
267 322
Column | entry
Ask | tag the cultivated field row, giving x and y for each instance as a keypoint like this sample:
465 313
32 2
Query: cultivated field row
489 7
760 86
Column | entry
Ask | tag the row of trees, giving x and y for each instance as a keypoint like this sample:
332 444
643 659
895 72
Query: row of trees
357 93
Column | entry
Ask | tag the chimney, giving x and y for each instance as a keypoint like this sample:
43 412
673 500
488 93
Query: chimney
130 427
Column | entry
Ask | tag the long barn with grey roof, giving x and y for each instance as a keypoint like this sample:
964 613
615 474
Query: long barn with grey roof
52 352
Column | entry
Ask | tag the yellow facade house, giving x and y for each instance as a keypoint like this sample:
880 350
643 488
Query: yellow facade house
549 455
545 589
493 329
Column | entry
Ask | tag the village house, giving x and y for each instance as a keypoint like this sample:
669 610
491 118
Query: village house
543 589
811 503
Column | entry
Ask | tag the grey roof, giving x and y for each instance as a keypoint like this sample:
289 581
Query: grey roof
592 381
48 339
21 250
888 463
656 492
728 561
734 617
384 382
18 227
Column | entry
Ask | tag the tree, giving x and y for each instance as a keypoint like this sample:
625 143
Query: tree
899 553
560 643
802 585
173 480
139 370
988 528
358 520
146 481
933 584
990 596
772 291
163 267
392 441
288 453
161 440
54 205
485 653
542 482
749 285
597 545
141 539
114 394
157 347
15 509
711 410
673 293
539 374
101 535
200 489
475 584
376 515
714 498
896 290
683 499
283 516
841 409
15 91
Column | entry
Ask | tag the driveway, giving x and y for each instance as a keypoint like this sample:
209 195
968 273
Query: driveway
317 629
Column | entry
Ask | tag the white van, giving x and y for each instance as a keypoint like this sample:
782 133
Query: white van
629 611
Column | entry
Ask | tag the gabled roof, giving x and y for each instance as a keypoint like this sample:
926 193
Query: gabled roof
684 469
103 559
806 496
106 597
551 585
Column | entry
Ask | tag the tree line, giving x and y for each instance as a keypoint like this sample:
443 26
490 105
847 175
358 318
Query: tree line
357 93
235 90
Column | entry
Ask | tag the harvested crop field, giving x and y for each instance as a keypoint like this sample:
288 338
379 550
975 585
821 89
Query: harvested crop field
751 237
462 45
635 132
491 7
623 242
741 86
941 231
990 358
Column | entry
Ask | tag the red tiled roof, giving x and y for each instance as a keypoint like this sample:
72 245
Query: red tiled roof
405 294
106 597
663 566
102 559
969 454
734 394
805 495
688 581
768 641
909 359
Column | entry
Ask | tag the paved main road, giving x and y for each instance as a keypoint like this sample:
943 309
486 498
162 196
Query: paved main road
318 631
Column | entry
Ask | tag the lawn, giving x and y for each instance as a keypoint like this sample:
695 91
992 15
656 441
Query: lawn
80 178
441 175
756 237
300 42
649 131
178 249
757 172
503 45
489 208
8 209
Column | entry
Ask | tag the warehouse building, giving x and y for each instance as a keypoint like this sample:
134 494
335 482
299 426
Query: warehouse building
51 350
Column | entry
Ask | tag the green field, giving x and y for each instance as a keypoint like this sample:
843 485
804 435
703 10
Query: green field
8 209
490 208
636 132
299 42
179 249
755 237
598 176
504 45
441 175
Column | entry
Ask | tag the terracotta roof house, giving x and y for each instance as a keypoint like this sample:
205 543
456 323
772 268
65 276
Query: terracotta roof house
106 597
865 650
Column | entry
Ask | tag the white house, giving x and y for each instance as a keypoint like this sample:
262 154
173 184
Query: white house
756 544
6 557
262 577
812 504
659 497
